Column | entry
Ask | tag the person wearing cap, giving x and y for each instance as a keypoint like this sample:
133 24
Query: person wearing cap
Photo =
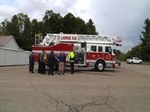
42 63
51 61
31 62
71 58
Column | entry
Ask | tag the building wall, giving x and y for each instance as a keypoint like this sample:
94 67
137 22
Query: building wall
13 57
10 44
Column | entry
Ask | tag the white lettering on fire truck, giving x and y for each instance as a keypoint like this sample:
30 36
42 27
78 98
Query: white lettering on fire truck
69 38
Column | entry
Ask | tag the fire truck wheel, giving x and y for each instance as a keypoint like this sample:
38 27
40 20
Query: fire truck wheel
100 66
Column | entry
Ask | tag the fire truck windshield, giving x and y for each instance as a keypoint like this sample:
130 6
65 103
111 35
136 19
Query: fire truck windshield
108 49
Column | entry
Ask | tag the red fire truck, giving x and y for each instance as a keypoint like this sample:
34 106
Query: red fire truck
94 51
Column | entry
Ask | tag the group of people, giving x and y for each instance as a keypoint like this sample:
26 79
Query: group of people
51 60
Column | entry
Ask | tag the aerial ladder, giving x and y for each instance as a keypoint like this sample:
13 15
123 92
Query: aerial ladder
52 39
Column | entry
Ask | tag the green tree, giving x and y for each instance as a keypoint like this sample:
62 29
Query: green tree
4 27
34 27
14 27
56 23
134 52
80 26
26 34
90 28
11 28
47 22
145 39
119 55
69 22
122 57
25 30
53 22
117 52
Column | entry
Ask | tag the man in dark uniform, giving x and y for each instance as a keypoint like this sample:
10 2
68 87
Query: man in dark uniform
39 63
31 62
42 63
51 61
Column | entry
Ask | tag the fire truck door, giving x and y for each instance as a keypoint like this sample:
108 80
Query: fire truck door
80 57
84 48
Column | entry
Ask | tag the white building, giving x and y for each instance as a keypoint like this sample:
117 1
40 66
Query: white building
10 53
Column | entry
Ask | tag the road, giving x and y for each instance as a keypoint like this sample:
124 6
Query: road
123 89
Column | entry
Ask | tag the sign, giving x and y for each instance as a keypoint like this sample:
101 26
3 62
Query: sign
108 57
69 38
93 56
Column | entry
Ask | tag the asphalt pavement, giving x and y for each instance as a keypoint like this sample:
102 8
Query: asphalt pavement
123 89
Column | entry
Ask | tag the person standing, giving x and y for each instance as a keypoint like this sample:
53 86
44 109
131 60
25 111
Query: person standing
42 63
51 61
62 59
39 63
71 58
31 62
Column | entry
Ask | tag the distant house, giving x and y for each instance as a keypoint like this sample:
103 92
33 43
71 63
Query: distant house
10 53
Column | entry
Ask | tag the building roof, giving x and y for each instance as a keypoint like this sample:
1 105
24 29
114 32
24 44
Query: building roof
4 39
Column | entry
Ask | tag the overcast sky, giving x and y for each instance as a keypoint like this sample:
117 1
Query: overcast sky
124 18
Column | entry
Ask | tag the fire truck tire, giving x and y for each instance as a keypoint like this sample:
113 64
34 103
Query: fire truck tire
100 66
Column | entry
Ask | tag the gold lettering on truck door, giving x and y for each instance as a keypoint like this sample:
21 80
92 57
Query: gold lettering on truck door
108 57
93 56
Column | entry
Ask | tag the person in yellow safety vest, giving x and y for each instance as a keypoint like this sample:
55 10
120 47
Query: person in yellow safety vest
71 58
45 56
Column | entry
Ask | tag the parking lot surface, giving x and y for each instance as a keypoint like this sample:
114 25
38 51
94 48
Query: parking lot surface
123 89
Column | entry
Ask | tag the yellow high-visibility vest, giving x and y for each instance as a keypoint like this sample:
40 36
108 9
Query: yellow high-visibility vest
44 56
71 56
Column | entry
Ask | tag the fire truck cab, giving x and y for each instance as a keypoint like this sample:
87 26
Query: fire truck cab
92 51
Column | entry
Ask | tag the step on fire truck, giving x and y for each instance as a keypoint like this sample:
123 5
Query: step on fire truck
94 51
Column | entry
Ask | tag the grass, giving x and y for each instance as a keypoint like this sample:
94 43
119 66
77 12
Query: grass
145 63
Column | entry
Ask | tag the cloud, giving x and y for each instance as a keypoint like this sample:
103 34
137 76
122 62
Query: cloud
5 14
128 44
123 18
81 9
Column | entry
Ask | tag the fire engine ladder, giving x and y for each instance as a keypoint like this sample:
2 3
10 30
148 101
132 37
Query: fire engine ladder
51 39
98 39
